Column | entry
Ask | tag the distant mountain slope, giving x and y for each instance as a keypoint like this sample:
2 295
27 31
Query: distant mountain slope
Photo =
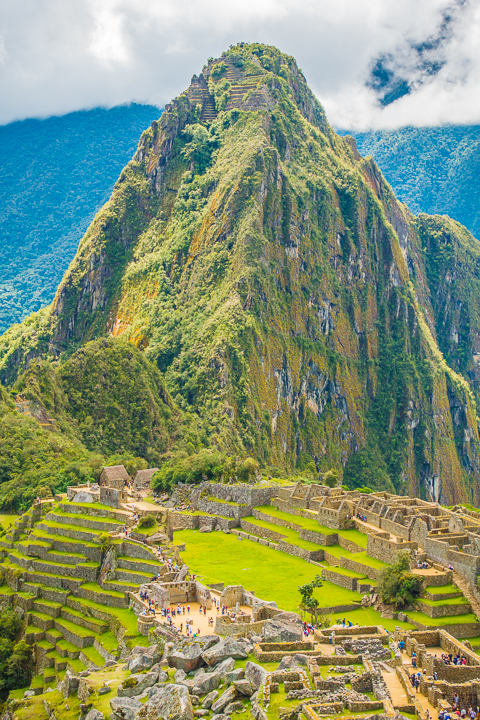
297 312
432 170
54 175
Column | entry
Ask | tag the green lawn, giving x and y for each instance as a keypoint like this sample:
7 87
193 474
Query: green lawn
446 620
441 589
272 575
450 601
310 524
7 520
290 536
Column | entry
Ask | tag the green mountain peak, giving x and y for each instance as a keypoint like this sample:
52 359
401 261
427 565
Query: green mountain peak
282 302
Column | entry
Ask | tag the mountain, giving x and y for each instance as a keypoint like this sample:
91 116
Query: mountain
279 301
55 174
432 170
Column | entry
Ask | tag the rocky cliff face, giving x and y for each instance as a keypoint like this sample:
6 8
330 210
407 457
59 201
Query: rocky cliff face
290 301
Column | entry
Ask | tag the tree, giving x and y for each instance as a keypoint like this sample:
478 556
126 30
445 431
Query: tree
330 478
397 586
308 602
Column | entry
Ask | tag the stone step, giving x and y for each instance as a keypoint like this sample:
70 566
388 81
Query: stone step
70 546
47 607
54 581
91 657
92 523
120 586
103 597
69 531
78 636
6 544
71 508
132 576
59 663
67 649
53 636
135 564
78 618
40 620
33 634
137 550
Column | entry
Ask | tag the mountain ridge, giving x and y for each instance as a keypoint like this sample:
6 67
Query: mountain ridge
268 271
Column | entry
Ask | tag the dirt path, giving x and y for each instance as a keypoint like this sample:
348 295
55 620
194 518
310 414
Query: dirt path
395 687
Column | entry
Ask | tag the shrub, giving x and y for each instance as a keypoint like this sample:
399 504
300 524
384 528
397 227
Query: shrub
397 586
147 521
130 682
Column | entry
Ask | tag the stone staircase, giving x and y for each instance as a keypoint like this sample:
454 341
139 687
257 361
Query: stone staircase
468 592
52 563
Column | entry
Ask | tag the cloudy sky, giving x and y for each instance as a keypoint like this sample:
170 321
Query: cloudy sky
372 63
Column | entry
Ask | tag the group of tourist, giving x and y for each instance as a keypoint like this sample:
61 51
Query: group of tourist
471 713
308 629
451 659
363 518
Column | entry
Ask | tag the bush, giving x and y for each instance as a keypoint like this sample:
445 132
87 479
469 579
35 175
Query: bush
147 521
330 478
397 586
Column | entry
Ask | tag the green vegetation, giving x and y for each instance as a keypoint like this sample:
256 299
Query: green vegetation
16 658
308 601
222 349
397 586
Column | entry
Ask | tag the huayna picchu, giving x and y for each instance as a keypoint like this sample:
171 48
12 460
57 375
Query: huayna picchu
271 298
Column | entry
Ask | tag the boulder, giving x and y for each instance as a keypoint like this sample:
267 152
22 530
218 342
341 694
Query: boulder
187 656
200 713
94 715
255 674
124 708
233 707
301 659
206 682
83 497
282 630
104 690
136 684
287 662
227 648
210 699
228 696
171 702
244 687
236 674
225 667
139 663
179 675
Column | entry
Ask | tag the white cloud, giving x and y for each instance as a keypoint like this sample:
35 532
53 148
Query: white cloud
61 56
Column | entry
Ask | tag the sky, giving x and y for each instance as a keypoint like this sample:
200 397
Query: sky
372 63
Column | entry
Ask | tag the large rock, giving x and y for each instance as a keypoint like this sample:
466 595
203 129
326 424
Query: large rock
280 629
228 696
227 648
171 702
244 687
94 715
225 667
124 708
137 684
236 674
83 497
210 699
188 655
139 663
206 682
255 674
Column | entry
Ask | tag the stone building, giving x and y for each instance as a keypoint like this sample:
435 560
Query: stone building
114 476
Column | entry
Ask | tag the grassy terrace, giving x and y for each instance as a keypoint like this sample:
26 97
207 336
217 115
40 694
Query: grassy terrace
441 589
79 516
450 601
67 526
310 524
446 620
291 536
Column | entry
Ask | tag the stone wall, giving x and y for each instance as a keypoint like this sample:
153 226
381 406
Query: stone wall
250 527
291 549
245 494
345 581
436 611
387 550
112 496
